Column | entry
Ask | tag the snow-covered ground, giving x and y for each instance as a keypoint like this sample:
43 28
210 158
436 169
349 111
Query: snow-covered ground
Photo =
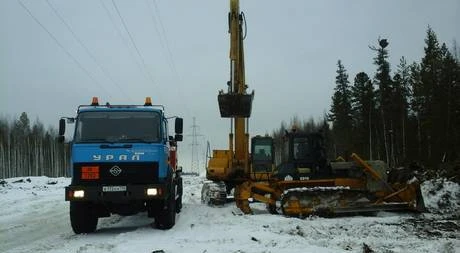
34 218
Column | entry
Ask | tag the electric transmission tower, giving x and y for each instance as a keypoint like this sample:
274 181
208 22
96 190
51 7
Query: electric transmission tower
195 163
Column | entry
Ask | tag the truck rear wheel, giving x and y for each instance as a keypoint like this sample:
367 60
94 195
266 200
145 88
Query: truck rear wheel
166 218
82 218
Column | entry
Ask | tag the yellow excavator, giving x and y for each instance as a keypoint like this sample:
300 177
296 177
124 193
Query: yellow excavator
229 168
303 182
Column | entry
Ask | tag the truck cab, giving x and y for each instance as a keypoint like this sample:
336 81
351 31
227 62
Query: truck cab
123 161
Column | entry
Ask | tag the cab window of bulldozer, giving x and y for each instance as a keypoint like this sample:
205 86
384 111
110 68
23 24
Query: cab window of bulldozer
285 152
301 148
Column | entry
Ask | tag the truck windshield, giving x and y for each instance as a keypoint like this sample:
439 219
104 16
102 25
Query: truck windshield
118 126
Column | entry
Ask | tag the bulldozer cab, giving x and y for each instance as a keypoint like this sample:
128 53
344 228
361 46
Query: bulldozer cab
303 157
262 157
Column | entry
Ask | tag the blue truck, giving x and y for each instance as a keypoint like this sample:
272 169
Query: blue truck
123 161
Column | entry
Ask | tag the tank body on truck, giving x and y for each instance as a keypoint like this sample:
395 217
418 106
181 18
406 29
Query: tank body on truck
123 161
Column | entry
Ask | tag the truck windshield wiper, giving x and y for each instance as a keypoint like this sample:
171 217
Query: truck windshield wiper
138 140
91 140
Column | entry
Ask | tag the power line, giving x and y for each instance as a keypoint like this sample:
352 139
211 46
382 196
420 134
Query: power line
123 39
132 41
62 47
163 37
86 49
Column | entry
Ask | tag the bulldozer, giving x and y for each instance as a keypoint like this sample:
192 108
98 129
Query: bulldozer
306 183
296 178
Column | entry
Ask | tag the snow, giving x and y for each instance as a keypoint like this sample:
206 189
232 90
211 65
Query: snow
442 197
34 218
317 188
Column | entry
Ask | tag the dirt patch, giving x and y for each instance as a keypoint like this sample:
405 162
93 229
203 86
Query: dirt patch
433 227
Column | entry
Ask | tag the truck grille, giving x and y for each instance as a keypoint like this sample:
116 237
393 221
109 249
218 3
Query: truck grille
118 173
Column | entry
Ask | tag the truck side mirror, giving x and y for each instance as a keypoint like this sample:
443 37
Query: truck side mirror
179 124
178 137
61 127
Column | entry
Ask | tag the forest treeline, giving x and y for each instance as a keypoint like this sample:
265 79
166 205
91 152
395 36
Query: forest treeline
31 150
409 115
406 116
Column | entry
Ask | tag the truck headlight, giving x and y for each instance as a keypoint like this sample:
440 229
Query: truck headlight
79 194
152 191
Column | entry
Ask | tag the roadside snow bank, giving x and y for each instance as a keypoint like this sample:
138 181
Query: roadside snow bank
19 187
442 197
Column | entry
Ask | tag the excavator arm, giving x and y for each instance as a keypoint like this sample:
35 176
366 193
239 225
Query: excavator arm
228 168
236 103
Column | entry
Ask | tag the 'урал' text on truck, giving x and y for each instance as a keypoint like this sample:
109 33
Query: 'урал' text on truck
123 161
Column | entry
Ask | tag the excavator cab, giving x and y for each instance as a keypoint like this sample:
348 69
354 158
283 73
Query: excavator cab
262 157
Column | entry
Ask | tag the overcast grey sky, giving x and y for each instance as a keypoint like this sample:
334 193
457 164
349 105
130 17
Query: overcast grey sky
292 48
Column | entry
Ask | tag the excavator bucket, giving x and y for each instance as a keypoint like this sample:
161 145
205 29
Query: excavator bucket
235 105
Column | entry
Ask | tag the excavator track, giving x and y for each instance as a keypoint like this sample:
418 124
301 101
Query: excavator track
214 193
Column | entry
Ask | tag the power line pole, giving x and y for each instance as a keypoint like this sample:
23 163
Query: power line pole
195 163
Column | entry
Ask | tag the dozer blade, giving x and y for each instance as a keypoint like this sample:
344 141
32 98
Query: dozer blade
330 201
235 105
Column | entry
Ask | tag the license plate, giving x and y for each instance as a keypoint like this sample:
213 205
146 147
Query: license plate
114 188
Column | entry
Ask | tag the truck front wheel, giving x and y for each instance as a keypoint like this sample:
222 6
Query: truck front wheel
82 219
166 218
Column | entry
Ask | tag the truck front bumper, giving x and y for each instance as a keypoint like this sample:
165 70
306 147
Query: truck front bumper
117 193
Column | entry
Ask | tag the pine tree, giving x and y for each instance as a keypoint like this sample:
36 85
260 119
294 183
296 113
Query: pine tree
448 105
416 112
456 112
341 113
363 107
37 133
4 147
384 94
431 92
400 109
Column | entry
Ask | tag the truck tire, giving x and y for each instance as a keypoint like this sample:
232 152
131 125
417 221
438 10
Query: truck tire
179 193
166 218
82 218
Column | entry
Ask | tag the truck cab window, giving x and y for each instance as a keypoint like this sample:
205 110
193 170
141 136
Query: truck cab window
118 127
